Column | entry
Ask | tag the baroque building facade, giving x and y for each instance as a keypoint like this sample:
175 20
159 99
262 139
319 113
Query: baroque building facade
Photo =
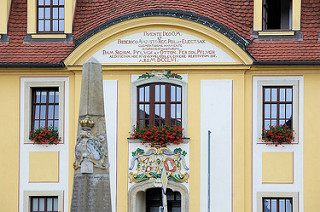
229 74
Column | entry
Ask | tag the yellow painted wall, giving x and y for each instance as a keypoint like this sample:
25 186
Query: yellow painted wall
242 102
311 144
9 144
43 166
277 167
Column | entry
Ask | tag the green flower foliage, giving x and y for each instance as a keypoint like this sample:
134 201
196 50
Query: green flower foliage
45 135
280 134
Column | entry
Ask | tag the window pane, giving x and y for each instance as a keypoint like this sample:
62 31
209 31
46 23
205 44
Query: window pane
61 26
273 122
57 97
41 204
141 94
56 125
141 111
55 2
55 204
173 111
49 204
55 14
282 205
266 204
35 204
267 94
178 110
157 93
51 97
43 96
282 94
147 111
178 94
289 205
41 2
274 111
267 110
288 111
178 196
42 123
50 123
163 93
37 96
176 209
61 13
266 124
282 122
289 94
40 13
147 92
36 124
56 112
47 2
61 2
157 110
47 14
163 111
50 111
282 111
37 112
173 93
274 94
40 25
274 205
55 25
47 26
43 112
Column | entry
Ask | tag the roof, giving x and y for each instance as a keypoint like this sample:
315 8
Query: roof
90 15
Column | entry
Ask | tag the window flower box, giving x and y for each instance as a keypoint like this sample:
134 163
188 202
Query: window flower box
45 135
158 135
278 135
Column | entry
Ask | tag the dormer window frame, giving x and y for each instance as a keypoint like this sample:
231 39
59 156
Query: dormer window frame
53 7
294 25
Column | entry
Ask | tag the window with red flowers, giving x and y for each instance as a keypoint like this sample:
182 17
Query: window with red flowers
50 16
277 106
159 104
45 107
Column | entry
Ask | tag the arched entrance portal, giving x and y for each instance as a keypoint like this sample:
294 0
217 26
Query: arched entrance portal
145 197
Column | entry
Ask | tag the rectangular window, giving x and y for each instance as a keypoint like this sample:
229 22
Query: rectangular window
45 107
160 104
44 204
277 106
50 16
273 204
277 14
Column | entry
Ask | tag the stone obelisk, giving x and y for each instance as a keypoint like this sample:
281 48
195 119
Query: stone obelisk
91 186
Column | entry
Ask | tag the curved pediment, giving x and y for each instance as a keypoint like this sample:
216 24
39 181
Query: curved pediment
159 41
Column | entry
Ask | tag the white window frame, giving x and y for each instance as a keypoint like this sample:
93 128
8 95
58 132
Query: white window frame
39 83
277 81
28 194
139 82
293 195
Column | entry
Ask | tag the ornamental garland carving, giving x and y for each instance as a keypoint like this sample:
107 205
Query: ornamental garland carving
156 162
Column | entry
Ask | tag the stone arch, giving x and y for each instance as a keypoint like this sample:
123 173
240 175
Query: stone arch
143 186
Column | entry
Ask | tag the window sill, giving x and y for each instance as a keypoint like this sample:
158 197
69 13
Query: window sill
276 32
48 37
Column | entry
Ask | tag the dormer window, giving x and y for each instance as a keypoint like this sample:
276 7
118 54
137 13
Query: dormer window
50 16
277 14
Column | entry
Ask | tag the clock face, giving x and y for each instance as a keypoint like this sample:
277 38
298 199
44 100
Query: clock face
94 149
